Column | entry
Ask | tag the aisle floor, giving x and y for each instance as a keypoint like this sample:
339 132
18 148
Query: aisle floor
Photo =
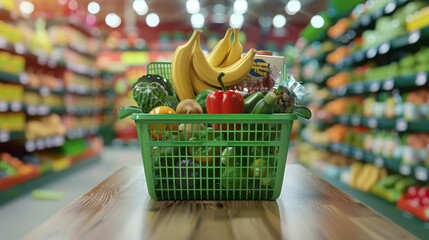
24 213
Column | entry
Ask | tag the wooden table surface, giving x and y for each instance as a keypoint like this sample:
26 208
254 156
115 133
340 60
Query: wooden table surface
308 208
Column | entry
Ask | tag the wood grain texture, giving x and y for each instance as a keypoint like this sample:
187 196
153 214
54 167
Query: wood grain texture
308 208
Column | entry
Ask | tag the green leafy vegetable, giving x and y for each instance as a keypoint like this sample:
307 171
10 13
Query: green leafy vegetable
149 95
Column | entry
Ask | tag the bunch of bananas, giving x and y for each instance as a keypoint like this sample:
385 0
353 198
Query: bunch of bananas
193 72
364 176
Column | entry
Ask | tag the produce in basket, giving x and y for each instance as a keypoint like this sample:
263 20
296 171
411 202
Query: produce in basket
186 173
149 95
234 178
159 130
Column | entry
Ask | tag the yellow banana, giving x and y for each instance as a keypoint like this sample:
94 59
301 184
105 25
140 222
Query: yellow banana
199 85
235 51
220 51
233 74
180 67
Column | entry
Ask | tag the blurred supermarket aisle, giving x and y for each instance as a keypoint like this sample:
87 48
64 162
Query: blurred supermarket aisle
22 214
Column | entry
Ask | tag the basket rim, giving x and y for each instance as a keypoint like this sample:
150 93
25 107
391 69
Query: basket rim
215 117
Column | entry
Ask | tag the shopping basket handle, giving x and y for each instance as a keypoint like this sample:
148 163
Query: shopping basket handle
126 111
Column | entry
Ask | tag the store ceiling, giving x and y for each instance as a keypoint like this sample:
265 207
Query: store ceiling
174 11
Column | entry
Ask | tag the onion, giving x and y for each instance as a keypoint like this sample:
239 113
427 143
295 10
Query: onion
189 106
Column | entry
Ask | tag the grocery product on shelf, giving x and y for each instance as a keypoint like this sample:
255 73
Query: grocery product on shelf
376 112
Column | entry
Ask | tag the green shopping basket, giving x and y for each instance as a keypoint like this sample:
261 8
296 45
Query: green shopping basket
212 156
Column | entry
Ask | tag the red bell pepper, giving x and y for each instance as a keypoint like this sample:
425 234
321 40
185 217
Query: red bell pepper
224 101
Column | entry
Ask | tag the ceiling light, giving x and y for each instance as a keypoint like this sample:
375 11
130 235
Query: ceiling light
279 21
236 20
292 7
93 7
140 6
317 21
113 20
192 6
197 20
152 20
26 7
240 6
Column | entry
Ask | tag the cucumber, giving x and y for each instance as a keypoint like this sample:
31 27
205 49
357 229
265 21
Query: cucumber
252 100
265 105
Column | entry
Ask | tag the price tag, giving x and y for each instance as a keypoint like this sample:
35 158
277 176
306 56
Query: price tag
342 91
414 37
374 87
58 141
390 7
20 48
358 154
336 147
384 48
421 79
365 20
359 56
356 120
4 136
48 142
401 125
388 84
371 53
421 173
345 150
372 122
16 106
43 110
4 106
379 162
32 110
405 169
23 78
3 43
30 146
344 119
359 88
40 144
44 91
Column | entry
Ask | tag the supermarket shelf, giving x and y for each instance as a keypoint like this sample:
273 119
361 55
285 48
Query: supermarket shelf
400 82
390 211
6 136
13 78
368 20
21 185
421 173
43 110
419 36
398 124
47 142
82 132
44 143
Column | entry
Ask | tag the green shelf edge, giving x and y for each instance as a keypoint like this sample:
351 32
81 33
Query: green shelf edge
26 187
383 123
419 79
406 220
